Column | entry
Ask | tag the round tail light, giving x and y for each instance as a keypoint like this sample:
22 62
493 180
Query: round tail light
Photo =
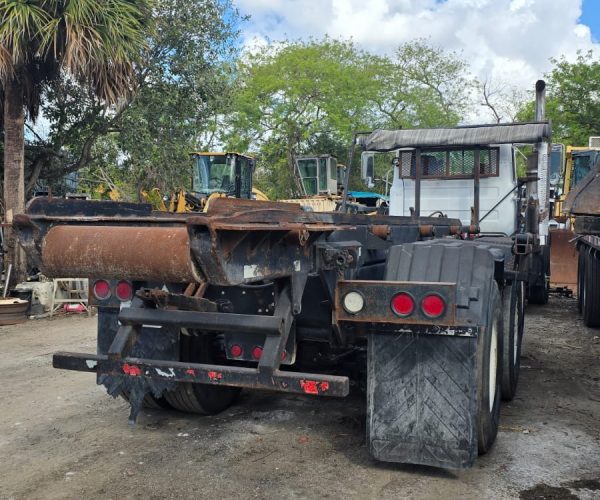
257 352
101 289
353 302
123 291
433 305
236 350
403 304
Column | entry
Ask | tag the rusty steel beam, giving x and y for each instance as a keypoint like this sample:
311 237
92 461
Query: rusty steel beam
113 252
316 384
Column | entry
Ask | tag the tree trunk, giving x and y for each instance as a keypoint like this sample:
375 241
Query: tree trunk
291 160
14 175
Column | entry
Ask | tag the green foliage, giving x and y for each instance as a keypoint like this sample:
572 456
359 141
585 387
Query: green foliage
309 97
182 85
97 43
572 103
289 96
422 86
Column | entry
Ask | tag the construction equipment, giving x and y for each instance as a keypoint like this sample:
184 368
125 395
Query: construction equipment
583 205
214 175
264 295
322 178
578 160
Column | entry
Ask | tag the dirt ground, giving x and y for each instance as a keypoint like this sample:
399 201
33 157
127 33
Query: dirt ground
61 436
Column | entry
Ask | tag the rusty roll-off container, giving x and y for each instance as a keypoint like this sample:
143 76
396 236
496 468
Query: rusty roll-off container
132 252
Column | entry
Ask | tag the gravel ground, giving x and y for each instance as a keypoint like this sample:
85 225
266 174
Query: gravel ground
63 437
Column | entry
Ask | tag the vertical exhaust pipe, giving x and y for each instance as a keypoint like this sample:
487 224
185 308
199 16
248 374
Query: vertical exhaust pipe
537 173
543 155
540 100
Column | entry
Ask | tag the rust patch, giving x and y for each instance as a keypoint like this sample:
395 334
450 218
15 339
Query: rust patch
132 252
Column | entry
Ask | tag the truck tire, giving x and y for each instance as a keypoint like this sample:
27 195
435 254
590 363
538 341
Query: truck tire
591 290
512 318
489 366
428 395
150 401
538 293
580 279
203 399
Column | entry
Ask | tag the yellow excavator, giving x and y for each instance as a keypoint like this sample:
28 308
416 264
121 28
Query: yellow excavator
566 171
214 175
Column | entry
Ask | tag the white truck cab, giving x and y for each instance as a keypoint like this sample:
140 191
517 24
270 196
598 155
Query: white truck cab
447 185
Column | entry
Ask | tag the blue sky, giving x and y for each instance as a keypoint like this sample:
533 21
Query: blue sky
591 17
507 41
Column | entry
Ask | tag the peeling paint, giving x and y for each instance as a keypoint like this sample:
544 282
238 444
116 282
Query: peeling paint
169 374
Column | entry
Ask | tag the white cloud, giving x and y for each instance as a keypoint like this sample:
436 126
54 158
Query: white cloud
508 40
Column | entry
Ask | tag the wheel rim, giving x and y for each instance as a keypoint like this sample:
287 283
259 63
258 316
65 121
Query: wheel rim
493 365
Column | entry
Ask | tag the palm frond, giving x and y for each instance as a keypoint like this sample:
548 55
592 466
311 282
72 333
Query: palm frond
97 42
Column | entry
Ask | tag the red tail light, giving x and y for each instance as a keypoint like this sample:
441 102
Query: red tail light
101 289
236 350
123 291
403 304
433 305
257 352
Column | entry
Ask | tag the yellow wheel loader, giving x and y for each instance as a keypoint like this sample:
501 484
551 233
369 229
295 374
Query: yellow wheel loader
214 175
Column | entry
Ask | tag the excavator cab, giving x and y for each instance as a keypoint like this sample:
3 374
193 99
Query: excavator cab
228 174
319 174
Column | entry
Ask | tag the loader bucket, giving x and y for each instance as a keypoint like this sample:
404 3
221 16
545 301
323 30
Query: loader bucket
563 259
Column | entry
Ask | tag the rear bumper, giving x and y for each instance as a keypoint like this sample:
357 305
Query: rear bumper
174 371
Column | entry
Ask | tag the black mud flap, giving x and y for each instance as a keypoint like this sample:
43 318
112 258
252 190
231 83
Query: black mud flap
421 399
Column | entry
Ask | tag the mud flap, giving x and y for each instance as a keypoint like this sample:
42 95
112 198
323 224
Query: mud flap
421 399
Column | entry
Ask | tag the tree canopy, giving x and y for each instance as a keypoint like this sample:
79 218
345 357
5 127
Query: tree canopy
301 97
96 44
573 99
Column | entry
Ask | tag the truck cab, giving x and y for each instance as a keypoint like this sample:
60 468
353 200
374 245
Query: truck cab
447 184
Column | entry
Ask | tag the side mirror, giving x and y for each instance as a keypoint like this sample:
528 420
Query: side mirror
367 164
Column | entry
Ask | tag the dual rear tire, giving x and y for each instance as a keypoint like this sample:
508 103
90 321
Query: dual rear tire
589 286
203 399
513 316
489 366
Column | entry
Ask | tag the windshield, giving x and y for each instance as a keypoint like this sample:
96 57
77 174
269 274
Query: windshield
581 167
308 172
213 174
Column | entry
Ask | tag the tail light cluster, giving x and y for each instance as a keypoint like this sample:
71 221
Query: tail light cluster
403 304
249 351
432 305
122 290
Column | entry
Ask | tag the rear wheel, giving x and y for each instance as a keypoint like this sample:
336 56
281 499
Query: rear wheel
489 362
539 290
512 316
150 401
204 399
591 290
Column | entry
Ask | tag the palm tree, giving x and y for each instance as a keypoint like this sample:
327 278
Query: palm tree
94 42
